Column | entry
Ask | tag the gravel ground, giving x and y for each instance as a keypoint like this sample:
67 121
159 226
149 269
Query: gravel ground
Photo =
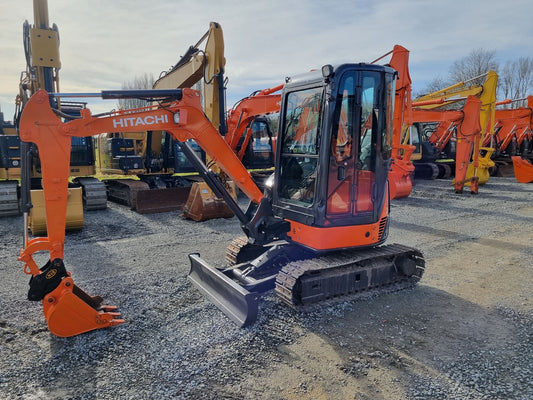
465 332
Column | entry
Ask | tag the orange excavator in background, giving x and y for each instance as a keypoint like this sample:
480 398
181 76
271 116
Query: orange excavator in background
465 125
402 169
441 140
513 139
242 116
320 238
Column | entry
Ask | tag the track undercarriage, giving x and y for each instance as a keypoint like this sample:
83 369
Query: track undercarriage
302 278
346 275
94 193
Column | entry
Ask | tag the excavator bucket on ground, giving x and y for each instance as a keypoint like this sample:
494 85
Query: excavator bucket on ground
161 200
523 170
483 170
239 304
68 310
202 204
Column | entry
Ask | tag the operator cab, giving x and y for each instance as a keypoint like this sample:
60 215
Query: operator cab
335 145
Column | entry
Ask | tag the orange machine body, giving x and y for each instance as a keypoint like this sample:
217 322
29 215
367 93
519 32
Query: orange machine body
240 116
466 124
402 169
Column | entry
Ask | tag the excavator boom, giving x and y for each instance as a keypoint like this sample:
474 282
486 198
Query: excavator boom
402 169
69 310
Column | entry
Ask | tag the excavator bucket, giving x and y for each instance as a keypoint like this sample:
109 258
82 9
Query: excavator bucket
69 311
202 204
523 170
400 182
239 304
483 173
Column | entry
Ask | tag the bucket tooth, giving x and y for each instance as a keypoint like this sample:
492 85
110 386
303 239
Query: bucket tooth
239 304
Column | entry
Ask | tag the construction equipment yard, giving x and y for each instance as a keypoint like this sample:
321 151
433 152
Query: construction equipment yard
464 332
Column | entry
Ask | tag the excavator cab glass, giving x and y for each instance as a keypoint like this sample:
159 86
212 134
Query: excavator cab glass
299 147
335 147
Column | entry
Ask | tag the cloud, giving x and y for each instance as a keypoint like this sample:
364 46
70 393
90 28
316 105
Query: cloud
105 43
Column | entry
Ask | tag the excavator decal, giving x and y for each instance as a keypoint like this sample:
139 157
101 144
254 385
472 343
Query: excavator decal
134 122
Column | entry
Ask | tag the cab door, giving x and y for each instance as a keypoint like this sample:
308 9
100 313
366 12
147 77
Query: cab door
357 127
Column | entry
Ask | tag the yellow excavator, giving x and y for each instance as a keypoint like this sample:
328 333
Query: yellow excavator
155 158
449 98
41 47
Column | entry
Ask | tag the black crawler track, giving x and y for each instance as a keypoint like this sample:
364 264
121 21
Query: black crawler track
349 275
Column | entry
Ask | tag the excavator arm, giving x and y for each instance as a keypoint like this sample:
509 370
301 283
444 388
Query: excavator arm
184 119
68 310
263 102
402 168
197 64
468 128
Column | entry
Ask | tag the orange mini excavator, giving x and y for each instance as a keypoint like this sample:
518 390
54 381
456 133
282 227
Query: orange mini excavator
318 229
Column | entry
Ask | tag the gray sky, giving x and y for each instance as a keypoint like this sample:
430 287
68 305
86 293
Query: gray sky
107 42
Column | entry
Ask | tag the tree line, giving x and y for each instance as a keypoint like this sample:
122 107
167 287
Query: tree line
515 78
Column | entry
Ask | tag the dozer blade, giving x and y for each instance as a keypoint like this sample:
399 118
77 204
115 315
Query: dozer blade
232 299
523 170
124 191
69 311
161 200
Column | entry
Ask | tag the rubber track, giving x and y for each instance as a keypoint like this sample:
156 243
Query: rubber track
347 262
232 252
94 193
